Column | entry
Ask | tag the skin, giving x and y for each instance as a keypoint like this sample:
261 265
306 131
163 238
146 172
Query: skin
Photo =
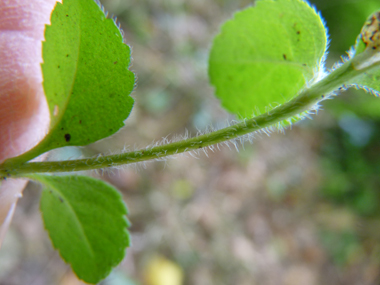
24 114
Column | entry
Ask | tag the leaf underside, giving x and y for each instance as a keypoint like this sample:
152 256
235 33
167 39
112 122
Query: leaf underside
265 55
86 221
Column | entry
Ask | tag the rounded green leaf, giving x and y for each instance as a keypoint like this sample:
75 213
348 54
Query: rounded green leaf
86 221
266 54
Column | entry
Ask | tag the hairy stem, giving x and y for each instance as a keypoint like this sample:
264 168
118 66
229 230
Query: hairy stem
301 103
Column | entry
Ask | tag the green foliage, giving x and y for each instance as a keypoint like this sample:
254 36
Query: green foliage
86 78
344 20
350 166
366 52
341 245
265 55
86 221
361 106
370 81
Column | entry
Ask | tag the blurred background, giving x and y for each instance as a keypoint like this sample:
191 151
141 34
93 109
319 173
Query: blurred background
296 208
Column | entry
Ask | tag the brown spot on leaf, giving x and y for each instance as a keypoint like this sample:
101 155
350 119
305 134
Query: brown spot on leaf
67 137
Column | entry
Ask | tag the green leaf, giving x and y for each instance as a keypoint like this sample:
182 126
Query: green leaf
86 221
367 53
86 78
266 54
369 82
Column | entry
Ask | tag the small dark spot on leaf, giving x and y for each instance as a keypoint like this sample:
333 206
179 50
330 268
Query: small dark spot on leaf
298 32
111 130
304 64
60 199
67 55
80 121
59 66
61 129
115 62
323 96
50 191
284 56
67 137
67 15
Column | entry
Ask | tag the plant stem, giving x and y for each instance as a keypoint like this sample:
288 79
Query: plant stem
305 101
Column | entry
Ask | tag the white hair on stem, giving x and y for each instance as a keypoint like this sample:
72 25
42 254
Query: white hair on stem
230 143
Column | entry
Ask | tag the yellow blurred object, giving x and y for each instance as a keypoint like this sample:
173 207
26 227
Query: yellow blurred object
71 279
182 189
161 271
